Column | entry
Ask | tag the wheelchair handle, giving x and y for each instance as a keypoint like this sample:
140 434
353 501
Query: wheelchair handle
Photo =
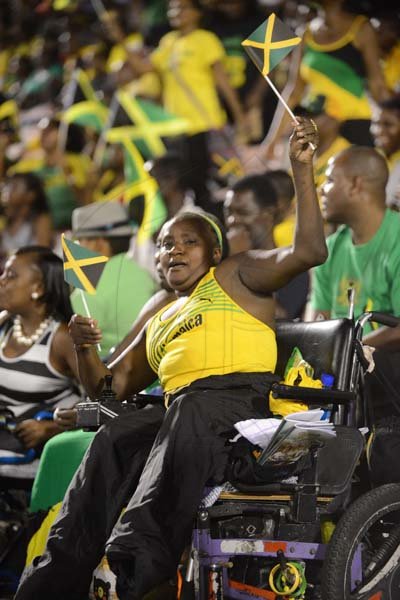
379 317
300 393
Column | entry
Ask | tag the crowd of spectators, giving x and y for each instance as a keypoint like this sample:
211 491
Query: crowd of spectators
112 121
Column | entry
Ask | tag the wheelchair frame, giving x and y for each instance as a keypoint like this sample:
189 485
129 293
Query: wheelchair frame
292 511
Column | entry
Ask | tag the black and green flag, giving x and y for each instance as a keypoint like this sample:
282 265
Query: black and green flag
270 43
82 267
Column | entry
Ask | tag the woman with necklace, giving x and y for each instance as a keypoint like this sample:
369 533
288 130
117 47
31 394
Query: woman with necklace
37 367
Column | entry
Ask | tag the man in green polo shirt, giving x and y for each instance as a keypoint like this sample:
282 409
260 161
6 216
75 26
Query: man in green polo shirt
364 253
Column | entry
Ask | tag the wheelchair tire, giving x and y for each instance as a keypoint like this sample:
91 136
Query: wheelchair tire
373 520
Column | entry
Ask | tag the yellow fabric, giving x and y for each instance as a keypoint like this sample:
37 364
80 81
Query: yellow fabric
78 167
347 38
391 68
393 159
193 56
339 103
321 162
295 376
38 541
284 232
209 335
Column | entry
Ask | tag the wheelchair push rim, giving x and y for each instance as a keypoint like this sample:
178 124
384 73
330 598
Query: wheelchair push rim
363 556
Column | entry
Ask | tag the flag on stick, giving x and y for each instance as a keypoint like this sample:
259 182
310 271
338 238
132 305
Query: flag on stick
142 121
140 185
81 104
270 43
82 267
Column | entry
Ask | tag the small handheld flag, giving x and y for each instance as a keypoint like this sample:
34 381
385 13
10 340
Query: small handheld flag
267 46
82 267
270 43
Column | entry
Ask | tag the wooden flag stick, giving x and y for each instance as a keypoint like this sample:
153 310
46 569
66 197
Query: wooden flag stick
87 312
99 8
285 104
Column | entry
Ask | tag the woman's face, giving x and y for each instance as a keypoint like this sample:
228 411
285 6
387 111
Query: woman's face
15 197
18 281
186 254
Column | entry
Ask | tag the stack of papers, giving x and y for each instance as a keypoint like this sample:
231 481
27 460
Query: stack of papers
286 440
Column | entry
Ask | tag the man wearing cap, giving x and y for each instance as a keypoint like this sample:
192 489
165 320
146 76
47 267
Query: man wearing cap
124 287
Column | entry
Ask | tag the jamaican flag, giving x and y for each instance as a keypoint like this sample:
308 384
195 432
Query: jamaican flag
146 205
82 267
81 104
270 43
142 121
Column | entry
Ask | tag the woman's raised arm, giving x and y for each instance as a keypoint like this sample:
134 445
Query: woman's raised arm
266 271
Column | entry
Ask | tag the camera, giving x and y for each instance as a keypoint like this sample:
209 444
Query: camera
92 414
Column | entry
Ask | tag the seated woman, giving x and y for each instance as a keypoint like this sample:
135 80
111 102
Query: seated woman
37 363
214 350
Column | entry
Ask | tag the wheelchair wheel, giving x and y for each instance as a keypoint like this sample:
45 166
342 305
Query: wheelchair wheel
363 556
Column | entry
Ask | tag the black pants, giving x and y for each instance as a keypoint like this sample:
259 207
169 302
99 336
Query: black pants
191 448
102 486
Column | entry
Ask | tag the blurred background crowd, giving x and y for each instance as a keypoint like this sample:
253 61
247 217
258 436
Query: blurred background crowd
106 105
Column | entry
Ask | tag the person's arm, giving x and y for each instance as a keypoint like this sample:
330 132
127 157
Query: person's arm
266 271
152 306
229 94
384 338
367 43
130 376
35 433
139 63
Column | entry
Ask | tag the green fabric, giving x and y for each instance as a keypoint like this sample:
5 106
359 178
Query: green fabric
60 458
339 72
60 196
266 61
372 268
82 267
123 289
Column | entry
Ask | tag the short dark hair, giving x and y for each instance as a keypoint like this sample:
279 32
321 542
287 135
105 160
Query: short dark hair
392 103
263 190
171 164
119 244
56 295
282 182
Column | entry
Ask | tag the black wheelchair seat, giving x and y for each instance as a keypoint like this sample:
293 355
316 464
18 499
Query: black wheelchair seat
325 345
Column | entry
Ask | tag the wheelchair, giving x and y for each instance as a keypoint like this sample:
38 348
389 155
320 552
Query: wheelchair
327 536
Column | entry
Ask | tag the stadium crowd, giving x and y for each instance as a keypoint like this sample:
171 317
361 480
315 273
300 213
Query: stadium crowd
118 119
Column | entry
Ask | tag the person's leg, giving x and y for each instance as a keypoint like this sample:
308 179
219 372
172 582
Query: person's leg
101 487
191 447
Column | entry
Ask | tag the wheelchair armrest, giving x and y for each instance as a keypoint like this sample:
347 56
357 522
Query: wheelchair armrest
311 395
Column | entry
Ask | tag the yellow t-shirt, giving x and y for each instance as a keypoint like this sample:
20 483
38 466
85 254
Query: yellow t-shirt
192 56
284 232
209 335
391 68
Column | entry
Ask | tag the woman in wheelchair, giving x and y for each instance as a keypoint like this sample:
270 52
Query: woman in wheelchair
214 351
37 367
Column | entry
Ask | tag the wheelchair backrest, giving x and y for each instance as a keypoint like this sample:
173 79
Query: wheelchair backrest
326 345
